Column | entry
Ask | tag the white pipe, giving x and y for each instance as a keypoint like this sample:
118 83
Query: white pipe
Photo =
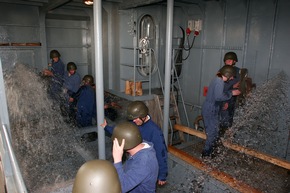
16 171
99 76
168 53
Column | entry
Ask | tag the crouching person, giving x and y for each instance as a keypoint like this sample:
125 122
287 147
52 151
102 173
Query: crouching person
85 102
139 173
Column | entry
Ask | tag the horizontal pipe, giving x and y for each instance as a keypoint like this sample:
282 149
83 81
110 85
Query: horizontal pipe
268 158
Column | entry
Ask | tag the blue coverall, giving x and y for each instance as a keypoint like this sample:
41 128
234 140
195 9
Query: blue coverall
72 83
139 173
211 112
57 69
152 133
227 115
86 105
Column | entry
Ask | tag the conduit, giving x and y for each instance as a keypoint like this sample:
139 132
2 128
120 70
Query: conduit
268 158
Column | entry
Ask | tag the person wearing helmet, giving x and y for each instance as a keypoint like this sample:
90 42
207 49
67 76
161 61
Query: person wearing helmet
56 73
212 106
138 113
227 112
97 176
72 81
85 102
139 173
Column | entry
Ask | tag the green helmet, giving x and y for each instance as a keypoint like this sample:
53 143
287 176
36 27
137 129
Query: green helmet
231 56
97 176
54 54
71 66
227 71
89 79
137 109
128 131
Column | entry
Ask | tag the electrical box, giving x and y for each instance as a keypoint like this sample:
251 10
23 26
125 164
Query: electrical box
190 25
197 25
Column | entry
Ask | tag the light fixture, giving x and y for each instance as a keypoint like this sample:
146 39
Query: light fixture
88 2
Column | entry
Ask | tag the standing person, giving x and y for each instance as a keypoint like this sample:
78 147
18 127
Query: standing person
56 73
72 82
85 101
139 173
228 109
98 176
212 106
137 112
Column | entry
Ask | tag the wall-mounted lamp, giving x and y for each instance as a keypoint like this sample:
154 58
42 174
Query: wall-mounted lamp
88 2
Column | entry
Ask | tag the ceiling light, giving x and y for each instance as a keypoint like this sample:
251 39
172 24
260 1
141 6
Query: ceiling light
89 2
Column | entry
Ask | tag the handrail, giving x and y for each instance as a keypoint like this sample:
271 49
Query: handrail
13 179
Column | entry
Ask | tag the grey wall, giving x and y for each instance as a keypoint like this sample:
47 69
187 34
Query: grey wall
257 32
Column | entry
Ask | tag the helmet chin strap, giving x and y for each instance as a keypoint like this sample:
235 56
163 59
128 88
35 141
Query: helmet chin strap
144 119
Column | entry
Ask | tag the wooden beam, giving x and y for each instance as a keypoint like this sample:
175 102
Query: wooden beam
236 147
268 158
190 131
215 173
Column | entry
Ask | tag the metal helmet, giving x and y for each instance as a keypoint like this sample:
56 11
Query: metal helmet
128 131
54 54
137 109
97 176
231 56
89 79
71 66
227 71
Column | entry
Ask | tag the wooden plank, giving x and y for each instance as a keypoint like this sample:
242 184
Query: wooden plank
248 151
215 173
190 131
268 158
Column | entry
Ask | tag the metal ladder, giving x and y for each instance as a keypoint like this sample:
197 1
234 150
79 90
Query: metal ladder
175 137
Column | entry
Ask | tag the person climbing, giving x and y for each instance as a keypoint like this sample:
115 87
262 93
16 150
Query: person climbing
228 109
211 107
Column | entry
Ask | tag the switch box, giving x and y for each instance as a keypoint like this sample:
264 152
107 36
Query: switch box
197 25
190 25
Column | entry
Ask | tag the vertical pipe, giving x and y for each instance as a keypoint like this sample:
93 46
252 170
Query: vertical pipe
168 53
99 76
272 44
19 182
247 32
4 117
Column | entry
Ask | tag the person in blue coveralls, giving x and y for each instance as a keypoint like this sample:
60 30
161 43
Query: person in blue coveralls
228 109
85 101
139 172
137 112
212 106
56 72
72 82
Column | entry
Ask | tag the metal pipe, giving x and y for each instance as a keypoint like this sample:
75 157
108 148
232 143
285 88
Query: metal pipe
273 37
16 171
99 76
168 53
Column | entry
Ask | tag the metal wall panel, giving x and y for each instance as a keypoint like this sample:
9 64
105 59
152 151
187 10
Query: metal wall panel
281 44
